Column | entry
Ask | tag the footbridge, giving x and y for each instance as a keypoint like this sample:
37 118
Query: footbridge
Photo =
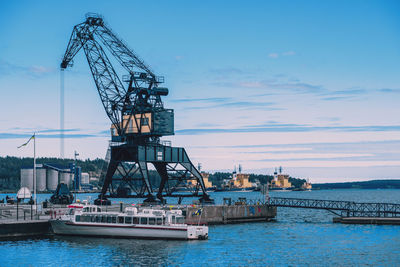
340 208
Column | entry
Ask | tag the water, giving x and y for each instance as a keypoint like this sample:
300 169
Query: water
299 237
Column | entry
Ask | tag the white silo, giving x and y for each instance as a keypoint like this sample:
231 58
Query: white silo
52 179
41 179
27 178
85 178
65 178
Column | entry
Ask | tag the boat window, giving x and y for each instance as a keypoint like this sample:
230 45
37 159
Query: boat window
135 220
103 218
98 209
152 221
159 221
71 212
180 220
114 219
78 218
143 220
92 218
98 219
120 219
128 220
108 219
85 209
173 219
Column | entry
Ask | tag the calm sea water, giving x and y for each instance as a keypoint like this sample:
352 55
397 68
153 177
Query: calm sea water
299 237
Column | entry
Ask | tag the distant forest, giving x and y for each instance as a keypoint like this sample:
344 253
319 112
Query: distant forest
10 172
373 184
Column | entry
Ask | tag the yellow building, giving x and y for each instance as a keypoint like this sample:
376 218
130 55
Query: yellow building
205 176
307 186
240 180
281 181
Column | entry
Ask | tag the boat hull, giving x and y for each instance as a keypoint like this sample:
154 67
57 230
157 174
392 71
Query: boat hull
64 227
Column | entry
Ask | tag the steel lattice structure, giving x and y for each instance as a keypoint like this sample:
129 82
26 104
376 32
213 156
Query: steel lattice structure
346 208
137 114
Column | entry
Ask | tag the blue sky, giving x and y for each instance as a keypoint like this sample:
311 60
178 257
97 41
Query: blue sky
312 86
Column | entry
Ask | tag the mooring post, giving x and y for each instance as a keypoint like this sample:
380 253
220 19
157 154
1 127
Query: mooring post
17 209
31 212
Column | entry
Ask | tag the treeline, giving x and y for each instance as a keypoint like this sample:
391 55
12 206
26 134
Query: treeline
373 184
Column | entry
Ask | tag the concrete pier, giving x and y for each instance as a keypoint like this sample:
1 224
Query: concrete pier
28 222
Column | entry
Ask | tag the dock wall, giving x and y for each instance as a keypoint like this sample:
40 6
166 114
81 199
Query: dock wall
223 214
24 228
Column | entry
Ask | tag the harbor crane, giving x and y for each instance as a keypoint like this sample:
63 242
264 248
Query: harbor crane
138 119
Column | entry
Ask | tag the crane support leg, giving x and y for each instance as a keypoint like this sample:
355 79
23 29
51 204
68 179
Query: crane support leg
112 167
162 171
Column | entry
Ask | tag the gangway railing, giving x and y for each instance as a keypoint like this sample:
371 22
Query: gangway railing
341 208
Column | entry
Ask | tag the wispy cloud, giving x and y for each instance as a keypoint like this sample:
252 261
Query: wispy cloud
226 71
204 100
43 136
389 90
289 53
224 102
277 128
336 98
285 54
275 86
273 55
34 71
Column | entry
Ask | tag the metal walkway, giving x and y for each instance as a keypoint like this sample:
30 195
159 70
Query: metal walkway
340 208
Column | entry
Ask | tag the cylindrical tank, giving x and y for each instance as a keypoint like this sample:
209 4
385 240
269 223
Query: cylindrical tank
85 178
40 179
27 178
52 179
71 180
65 178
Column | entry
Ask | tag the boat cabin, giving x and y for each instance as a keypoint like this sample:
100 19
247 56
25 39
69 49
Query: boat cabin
131 216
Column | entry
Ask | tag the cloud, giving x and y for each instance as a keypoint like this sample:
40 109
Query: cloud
206 100
273 55
226 71
389 90
294 128
335 98
317 158
43 136
221 102
289 53
285 54
40 69
365 144
34 71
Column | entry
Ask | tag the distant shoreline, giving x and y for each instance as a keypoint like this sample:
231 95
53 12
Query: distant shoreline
372 184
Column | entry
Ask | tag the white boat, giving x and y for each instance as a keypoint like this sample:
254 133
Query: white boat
90 220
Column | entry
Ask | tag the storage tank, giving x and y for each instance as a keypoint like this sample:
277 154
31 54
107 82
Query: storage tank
65 178
85 178
52 179
40 179
27 178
